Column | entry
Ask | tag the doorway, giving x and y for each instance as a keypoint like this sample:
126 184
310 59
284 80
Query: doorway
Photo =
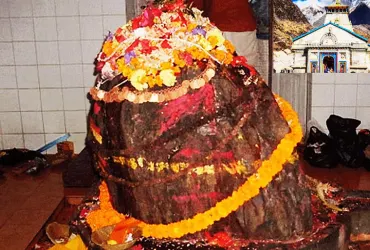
328 62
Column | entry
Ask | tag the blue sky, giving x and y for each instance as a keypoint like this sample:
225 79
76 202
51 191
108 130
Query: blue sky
303 3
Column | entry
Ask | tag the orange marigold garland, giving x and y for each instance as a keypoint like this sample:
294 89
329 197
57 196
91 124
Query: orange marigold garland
264 175
105 215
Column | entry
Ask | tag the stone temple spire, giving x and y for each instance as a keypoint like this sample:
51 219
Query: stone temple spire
338 13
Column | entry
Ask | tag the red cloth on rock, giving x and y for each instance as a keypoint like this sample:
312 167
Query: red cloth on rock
228 15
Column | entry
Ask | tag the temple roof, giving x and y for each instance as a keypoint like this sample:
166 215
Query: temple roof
330 23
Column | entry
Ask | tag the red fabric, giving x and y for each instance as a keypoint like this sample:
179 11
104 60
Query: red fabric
228 15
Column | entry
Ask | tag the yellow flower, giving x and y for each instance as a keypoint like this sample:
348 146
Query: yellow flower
176 24
152 71
168 77
166 65
176 69
135 63
229 46
152 81
217 34
180 63
158 81
136 78
222 56
107 48
213 40
191 26
205 44
115 44
123 68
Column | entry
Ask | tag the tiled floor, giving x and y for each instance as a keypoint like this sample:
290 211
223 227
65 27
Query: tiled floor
25 204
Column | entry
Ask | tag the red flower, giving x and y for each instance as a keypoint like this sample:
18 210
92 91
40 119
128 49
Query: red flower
241 60
182 18
118 31
156 12
102 56
166 35
136 22
133 45
179 4
187 58
120 38
147 48
165 45
147 18
221 239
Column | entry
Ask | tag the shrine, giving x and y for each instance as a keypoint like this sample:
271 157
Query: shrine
187 147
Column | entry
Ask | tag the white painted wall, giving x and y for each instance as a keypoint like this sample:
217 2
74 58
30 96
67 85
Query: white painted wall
346 95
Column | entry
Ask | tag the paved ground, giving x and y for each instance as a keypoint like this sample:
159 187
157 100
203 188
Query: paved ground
25 204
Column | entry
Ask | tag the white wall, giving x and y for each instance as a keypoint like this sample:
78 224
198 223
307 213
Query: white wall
346 95
47 49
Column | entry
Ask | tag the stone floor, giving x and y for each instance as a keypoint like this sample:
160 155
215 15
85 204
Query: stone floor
350 179
25 204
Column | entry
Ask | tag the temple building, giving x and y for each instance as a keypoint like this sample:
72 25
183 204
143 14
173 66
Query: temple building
332 47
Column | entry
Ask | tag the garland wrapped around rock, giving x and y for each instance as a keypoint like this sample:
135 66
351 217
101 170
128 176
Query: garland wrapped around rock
267 171
188 137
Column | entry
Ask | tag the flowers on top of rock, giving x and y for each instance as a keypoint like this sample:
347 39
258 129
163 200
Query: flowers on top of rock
151 49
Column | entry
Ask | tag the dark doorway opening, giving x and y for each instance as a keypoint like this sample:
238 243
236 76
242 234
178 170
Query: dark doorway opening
328 64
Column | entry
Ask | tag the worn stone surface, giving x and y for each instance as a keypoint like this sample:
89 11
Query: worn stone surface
207 123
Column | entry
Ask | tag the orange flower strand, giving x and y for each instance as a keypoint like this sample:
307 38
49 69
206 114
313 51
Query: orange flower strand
105 215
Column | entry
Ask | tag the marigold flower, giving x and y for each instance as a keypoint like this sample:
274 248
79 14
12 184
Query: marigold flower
191 26
217 34
107 48
166 65
213 40
229 46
